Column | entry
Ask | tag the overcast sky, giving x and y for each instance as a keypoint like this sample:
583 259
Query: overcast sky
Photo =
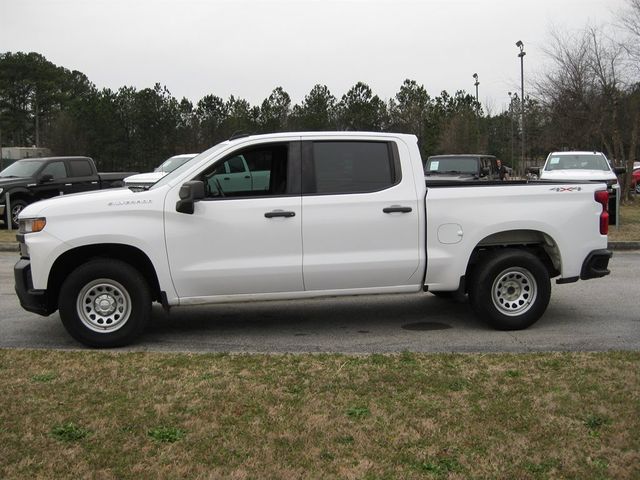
247 48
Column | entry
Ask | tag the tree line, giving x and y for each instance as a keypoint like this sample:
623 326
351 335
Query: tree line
588 98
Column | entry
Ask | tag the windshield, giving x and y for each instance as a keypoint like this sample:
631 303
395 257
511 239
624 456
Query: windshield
583 161
22 168
174 162
185 166
452 165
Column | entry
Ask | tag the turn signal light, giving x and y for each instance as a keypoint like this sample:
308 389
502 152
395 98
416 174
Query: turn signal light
32 225
602 197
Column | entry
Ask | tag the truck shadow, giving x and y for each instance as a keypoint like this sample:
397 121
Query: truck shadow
400 314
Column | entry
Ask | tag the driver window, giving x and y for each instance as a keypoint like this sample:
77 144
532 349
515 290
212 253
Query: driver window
254 172
55 169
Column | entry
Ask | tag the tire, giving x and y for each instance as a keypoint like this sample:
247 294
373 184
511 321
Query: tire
16 207
105 303
510 290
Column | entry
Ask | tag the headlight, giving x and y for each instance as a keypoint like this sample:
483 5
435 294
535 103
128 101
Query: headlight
31 225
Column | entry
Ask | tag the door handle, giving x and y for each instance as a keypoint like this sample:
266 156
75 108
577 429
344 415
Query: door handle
396 209
247 176
67 184
279 213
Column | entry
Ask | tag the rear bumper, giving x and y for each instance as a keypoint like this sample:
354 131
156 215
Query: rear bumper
595 265
35 301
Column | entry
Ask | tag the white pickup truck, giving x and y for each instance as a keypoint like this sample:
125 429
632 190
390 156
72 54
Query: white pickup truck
341 213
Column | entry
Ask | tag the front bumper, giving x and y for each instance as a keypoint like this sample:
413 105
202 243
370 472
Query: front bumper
595 265
35 301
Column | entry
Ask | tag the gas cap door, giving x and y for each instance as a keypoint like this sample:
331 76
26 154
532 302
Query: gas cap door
449 233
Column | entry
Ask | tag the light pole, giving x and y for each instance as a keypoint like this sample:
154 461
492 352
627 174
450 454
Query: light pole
475 76
522 53
511 121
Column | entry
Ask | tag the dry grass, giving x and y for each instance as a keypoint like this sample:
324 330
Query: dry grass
7 236
139 415
629 229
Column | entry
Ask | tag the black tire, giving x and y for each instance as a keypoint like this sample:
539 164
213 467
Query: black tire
105 303
16 207
510 289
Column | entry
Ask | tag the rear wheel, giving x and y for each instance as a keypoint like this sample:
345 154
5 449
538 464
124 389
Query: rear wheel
510 289
105 303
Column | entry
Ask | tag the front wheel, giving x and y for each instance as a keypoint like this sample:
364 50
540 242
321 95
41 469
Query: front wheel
105 303
510 290
16 207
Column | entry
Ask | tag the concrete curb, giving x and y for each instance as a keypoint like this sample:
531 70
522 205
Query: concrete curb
13 247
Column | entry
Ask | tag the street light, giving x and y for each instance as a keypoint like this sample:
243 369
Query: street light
511 121
475 75
522 53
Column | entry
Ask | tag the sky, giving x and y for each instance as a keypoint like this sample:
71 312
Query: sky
246 48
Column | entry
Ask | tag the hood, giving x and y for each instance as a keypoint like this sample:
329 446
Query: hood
561 175
7 182
144 178
89 202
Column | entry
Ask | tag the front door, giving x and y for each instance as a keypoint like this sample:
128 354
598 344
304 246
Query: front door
240 241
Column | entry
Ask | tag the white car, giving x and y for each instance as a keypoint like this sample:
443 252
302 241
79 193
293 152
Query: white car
316 214
145 180
585 166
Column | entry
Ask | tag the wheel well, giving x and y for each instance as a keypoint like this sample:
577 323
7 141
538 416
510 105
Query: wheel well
72 259
538 243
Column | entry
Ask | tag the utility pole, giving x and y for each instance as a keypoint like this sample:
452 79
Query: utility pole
475 76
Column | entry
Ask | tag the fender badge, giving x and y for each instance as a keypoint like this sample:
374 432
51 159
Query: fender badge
566 189
124 203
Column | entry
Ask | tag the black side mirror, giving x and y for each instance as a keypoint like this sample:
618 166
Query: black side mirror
45 178
190 192
619 170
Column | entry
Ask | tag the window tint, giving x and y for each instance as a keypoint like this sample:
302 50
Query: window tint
80 168
351 167
267 173
57 169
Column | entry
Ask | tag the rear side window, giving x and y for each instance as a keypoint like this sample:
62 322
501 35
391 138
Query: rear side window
80 168
351 167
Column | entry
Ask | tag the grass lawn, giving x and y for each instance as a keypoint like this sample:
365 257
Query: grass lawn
143 415
629 230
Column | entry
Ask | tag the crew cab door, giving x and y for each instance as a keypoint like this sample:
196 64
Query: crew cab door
240 241
82 176
360 223
50 180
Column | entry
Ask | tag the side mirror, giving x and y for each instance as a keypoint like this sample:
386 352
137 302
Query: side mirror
45 178
190 192
619 170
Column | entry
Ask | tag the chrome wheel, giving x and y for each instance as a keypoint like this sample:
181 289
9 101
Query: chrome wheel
15 211
103 305
514 291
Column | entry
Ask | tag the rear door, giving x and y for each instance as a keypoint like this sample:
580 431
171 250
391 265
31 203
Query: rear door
360 223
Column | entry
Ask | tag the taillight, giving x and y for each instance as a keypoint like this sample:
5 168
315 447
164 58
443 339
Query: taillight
602 197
